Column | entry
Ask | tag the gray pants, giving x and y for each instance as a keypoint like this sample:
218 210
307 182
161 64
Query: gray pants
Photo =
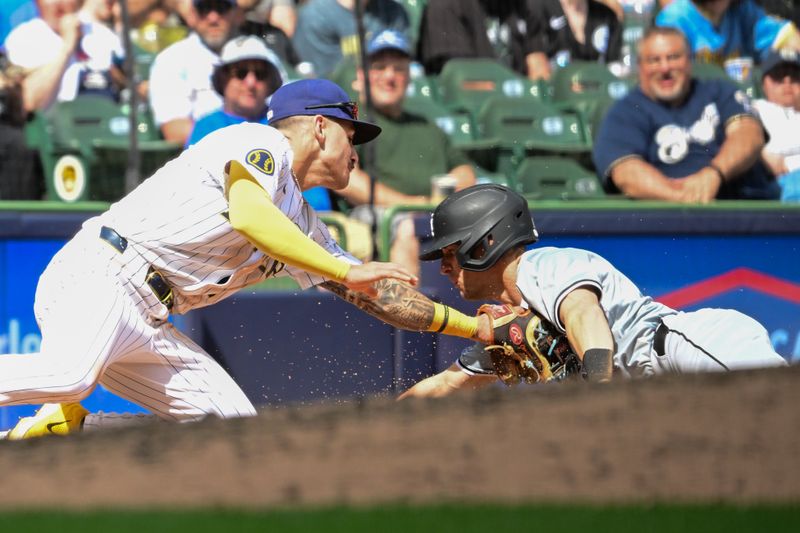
709 340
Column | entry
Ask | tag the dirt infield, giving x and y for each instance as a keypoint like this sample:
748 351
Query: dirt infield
711 438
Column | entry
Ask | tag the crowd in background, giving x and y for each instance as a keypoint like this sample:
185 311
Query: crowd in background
203 64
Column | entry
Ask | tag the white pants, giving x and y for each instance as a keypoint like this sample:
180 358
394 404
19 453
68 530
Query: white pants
711 340
100 323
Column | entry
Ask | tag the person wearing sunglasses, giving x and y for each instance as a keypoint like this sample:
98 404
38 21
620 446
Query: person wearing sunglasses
248 73
225 214
180 78
779 111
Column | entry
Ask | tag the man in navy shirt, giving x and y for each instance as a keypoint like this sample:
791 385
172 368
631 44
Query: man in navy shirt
681 139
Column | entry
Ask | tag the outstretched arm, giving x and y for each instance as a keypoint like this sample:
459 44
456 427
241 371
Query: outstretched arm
447 382
588 332
404 307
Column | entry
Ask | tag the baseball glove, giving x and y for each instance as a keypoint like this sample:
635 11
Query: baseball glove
527 348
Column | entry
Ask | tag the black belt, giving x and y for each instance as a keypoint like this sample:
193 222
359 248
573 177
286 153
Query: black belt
659 338
154 279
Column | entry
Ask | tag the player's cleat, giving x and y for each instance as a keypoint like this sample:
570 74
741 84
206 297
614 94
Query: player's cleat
50 419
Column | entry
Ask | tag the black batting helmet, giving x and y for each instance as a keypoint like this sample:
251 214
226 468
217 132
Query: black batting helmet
487 214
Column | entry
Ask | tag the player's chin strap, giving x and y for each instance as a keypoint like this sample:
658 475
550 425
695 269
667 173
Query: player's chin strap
597 365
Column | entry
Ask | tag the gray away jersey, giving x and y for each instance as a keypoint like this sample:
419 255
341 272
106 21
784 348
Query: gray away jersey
546 275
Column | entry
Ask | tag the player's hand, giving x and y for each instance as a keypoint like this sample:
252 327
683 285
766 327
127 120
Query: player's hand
362 278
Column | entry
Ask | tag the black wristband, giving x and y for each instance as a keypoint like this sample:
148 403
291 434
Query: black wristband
718 170
597 364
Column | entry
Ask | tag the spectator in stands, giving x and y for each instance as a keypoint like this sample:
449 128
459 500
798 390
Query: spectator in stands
721 30
247 74
780 114
681 139
20 176
565 30
275 22
65 54
180 78
412 149
279 14
326 29
786 9
474 29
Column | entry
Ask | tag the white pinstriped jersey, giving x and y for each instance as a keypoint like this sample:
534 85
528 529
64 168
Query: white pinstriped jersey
177 219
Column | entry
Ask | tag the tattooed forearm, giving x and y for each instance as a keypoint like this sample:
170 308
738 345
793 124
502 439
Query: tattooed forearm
397 303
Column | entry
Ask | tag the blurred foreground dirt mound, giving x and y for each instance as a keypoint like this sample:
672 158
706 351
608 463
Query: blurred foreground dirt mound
710 438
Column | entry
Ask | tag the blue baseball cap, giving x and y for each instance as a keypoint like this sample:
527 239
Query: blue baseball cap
779 57
319 97
389 40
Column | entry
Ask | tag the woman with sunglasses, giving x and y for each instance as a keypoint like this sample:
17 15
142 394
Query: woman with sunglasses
247 74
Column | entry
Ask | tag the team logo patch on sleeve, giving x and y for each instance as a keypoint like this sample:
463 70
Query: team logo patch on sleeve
262 160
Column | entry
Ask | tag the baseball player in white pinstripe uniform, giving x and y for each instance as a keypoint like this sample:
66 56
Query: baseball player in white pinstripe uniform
480 233
225 214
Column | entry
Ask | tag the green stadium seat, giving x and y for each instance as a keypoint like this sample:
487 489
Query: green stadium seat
587 80
509 128
423 86
710 71
457 126
545 178
344 74
485 176
466 84
589 89
84 146
594 114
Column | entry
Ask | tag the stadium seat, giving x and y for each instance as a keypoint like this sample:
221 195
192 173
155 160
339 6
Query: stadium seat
485 176
587 80
545 178
589 89
594 115
710 71
466 84
344 74
456 125
511 128
422 86
84 146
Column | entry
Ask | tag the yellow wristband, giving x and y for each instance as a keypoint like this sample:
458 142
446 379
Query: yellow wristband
452 322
